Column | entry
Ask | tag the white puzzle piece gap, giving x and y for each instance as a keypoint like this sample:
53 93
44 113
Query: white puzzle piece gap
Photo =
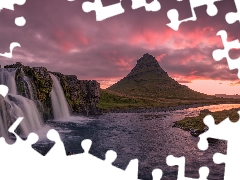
9 4
12 46
232 17
20 21
3 90
58 149
157 174
219 54
173 14
56 164
153 6
180 162
103 13
232 158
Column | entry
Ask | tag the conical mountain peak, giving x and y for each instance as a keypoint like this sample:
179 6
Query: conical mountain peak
147 60
146 64
148 79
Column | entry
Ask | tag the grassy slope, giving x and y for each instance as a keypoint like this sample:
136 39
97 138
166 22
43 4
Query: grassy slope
111 100
197 122
149 86
148 79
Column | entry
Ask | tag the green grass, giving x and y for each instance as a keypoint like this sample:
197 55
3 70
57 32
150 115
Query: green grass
114 101
197 122
111 101
149 86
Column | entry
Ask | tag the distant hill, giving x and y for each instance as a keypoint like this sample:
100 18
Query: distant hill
148 79
228 96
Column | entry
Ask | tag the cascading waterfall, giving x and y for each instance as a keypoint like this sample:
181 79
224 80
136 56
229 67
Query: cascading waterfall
7 77
28 87
59 103
4 117
19 106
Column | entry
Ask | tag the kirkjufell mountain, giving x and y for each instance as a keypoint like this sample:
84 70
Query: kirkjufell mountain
148 79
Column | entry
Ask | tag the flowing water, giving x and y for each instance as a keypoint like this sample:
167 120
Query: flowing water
146 136
14 106
59 103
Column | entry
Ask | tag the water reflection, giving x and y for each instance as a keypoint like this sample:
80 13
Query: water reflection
146 136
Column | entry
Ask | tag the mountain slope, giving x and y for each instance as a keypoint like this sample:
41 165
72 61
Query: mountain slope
148 79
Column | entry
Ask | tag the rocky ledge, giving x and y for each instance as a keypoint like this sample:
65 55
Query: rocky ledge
81 95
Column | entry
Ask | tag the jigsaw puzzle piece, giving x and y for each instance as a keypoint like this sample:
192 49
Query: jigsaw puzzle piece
173 14
103 13
232 157
157 174
24 147
20 152
3 90
219 54
153 6
231 163
9 4
216 131
232 17
103 169
180 162
12 46
219 158
58 150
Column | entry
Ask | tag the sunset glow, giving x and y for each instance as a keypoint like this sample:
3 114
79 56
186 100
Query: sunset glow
61 37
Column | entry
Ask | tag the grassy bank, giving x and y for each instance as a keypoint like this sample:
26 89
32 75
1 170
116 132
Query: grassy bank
112 101
196 123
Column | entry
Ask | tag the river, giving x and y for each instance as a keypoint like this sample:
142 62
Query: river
146 136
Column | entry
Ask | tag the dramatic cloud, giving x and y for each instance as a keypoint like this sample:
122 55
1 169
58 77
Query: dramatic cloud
61 37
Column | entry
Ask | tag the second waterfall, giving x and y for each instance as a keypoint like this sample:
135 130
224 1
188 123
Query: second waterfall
59 102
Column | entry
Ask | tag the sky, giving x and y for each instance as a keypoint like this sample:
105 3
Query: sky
60 36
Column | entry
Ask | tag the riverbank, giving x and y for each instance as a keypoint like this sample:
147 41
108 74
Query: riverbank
119 103
196 126
165 109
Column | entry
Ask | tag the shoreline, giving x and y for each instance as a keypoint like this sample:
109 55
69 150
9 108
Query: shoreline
164 109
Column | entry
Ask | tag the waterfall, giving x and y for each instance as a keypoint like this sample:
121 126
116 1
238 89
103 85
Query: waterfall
59 103
4 117
18 106
29 87
7 77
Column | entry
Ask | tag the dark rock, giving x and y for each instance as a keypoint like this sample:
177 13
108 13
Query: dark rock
195 132
41 86
205 111
81 95
212 140
205 129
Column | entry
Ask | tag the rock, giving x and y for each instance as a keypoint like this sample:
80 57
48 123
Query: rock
81 95
212 140
205 111
41 86
205 129
195 132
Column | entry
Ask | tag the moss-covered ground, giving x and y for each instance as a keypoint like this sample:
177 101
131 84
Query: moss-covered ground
112 101
197 122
